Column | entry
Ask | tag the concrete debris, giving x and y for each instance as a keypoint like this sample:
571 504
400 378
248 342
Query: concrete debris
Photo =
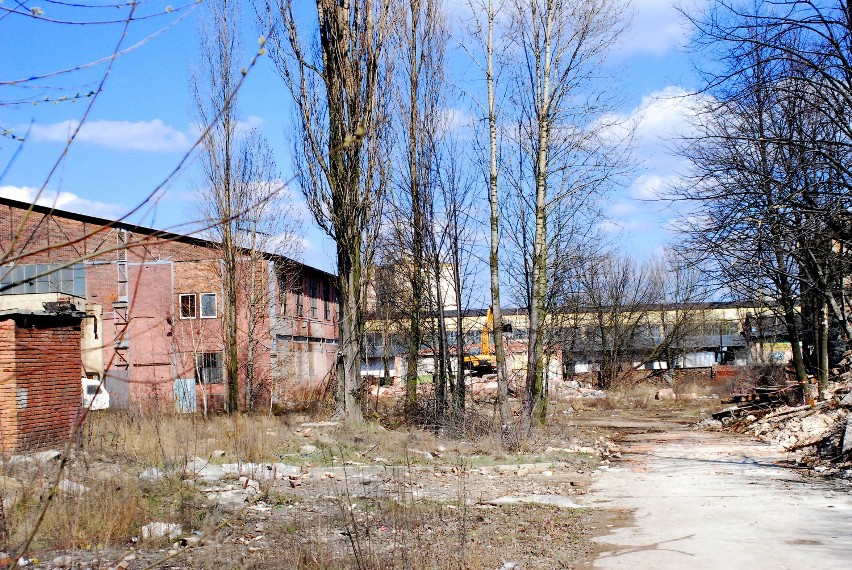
62 561
48 456
847 436
160 530
665 394
709 423
67 487
308 449
820 434
151 475
485 388
203 470
11 491
552 500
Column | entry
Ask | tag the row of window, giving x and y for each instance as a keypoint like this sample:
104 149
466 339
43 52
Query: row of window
201 305
316 290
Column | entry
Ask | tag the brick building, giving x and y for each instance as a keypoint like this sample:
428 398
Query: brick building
156 306
39 378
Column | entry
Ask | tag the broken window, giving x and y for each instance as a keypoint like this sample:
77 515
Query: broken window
208 305
188 309
208 367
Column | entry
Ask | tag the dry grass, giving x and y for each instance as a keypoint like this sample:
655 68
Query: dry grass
343 529
106 515
163 439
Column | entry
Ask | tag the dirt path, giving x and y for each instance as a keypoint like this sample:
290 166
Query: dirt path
706 499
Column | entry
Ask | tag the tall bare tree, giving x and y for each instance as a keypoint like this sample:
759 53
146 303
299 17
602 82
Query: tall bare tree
340 93
422 39
562 46
483 28
214 92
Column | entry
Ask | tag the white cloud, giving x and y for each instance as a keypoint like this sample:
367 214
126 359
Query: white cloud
657 27
148 136
63 201
617 226
652 186
667 114
622 209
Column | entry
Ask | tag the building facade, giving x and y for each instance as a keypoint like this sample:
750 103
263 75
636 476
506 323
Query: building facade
156 308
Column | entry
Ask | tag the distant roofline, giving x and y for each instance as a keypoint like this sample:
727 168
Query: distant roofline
704 305
135 228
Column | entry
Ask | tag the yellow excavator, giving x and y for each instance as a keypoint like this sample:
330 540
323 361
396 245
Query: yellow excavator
483 361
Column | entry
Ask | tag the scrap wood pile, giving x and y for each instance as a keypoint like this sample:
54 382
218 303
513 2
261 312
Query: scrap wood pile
820 434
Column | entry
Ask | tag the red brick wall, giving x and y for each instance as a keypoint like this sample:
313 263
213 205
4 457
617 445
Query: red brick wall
46 360
8 408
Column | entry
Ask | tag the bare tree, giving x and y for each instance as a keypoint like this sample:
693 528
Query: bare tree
220 46
422 39
562 46
484 31
340 95
769 194
804 45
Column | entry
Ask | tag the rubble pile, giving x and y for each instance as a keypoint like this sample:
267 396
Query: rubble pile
819 434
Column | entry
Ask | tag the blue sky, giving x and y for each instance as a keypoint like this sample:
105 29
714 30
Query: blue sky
142 124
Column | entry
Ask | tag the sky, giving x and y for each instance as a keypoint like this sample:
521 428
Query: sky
140 127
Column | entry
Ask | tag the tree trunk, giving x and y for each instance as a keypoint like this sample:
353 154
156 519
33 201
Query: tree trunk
494 257
348 363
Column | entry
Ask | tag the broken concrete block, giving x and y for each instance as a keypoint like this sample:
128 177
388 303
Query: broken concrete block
847 436
161 529
11 491
67 487
665 394
151 474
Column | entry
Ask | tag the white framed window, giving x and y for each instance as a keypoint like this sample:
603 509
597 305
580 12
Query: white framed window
208 305
188 306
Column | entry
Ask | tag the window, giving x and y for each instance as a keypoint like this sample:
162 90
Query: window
208 367
312 285
43 278
300 302
326 303
208 305
188 309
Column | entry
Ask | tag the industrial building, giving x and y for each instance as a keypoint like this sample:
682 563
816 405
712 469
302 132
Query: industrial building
154 306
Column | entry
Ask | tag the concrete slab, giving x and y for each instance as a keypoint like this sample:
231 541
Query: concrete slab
705 500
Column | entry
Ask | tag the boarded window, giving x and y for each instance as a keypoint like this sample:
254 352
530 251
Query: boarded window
300 303
188 309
